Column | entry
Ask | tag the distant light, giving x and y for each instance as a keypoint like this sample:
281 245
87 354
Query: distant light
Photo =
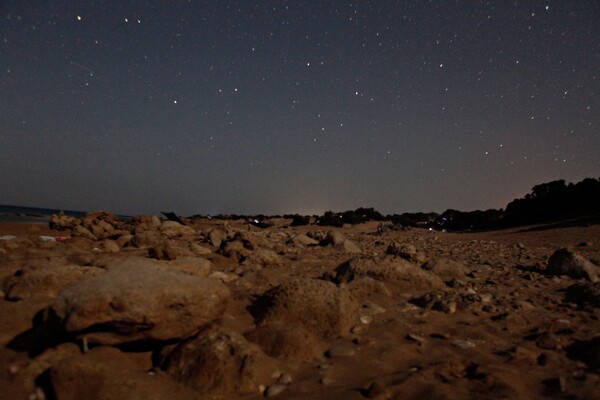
175 101
79 18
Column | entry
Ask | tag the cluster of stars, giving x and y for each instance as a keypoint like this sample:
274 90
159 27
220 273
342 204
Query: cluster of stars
361 85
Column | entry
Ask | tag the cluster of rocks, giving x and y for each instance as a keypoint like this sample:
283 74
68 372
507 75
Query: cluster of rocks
145 286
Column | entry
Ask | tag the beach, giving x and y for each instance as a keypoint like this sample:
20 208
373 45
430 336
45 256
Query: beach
102 308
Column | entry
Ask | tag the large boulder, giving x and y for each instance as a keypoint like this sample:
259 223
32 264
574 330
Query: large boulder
567 262
320 306
219 361
337 240
397 271
139 301
106 373
315 309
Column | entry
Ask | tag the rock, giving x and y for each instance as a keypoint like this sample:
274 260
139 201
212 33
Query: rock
302 240
216 236
173 229
219 362
106 373
463 343
320 306
83 232
587 351
62 222
147 238
199 250
446 268
263 257
286 341
301 311
285 379
399 272
235 249
223 277
406 251
567 262
326 381
585 294
335 238
275 389
549 341
192 265
124 240
415 338
139 301
361 288
163 251
350 247
338 240
439 300
47 282
109 246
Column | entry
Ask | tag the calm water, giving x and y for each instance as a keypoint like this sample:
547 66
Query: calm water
31 214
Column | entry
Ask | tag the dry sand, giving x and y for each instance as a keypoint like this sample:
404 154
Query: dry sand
285 315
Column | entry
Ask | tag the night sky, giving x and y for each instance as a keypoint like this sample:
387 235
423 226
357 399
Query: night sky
295 106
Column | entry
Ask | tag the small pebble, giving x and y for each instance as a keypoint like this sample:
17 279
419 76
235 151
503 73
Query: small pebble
371 308
358 329
275 389
440 335
285 379
38 394
326 381
407 307
463 344
486 297
366 319
415 338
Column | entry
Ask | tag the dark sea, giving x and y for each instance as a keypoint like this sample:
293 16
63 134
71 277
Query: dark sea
32 215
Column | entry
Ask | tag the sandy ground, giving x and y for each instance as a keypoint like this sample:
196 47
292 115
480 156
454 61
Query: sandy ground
501 328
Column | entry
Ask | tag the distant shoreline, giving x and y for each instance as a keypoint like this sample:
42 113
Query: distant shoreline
35 215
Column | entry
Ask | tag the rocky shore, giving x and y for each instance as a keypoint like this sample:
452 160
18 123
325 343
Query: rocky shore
100 308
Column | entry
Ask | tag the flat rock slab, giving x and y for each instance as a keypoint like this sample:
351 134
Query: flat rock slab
140 301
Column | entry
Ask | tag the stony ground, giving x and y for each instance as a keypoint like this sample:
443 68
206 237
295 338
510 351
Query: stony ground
96 308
